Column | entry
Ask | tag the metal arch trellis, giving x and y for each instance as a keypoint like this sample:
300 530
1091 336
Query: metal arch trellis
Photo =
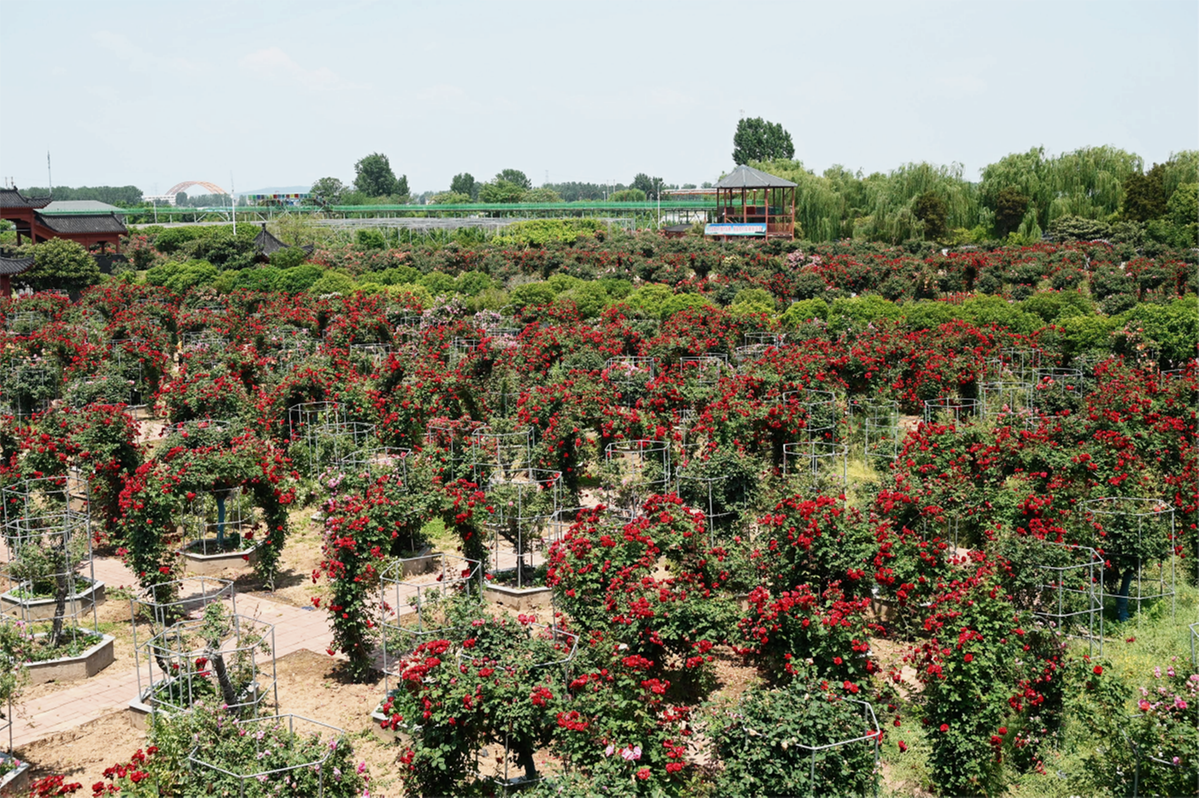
1139 515
325 433
134 371
197 762
820 411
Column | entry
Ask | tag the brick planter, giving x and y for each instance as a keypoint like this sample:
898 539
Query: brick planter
42 609
197 564
67 669
15 782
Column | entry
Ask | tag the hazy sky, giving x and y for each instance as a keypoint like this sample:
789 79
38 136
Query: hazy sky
282 93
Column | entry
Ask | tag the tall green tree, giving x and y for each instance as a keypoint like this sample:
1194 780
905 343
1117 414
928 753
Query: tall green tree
1145 195
464 183
374 178
759 140
1010 207
326 191
650 185
930 209
501 191
61 263
516 177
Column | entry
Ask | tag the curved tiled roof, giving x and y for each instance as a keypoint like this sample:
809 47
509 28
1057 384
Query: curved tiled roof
14 266
12 198
748 177
92 223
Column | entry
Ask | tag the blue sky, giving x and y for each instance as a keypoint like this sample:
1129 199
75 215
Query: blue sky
282 93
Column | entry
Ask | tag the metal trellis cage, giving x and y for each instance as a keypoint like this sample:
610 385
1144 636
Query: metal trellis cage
632 471
520 506
222 658
1071 593
1142 530
49 573
414 591
297 726
950 410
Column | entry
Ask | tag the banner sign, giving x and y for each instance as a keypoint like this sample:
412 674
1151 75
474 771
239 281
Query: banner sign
743 229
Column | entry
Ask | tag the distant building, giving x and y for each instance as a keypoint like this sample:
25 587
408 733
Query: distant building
92 224
268 245
752 203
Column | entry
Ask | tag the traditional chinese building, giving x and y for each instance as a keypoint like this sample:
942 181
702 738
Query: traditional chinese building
10 268
92 224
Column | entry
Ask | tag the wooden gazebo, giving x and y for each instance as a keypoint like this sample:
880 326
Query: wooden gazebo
752 203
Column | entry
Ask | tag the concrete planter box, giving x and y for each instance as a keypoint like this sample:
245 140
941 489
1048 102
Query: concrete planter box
86 665
402 735
141 707
198 564
422 563
15 782
42 609
520 599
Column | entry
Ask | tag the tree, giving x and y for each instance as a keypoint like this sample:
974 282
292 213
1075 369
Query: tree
650 185
1010 207
1145 195
326 191
465 183
374 178
540 195
61 263
449 198
499 191
759 140
629 195
515 176
933 211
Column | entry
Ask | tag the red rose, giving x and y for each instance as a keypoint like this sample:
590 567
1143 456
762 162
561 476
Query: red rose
969 658
944 727
1098 670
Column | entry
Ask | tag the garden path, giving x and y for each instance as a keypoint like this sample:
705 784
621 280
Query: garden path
114 688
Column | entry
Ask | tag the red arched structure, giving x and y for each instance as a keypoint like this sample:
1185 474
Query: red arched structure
213 188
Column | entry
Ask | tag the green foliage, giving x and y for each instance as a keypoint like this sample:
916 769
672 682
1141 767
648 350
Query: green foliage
649 185
934 213
544 232
450 198
759 140
1010 207
287 258
532 295
332 282
543 195
61 264
805 310
515 177
179 277
768 743
326 191
373 177
1054 305
1145 195
464 183
369 238
628 195
501 192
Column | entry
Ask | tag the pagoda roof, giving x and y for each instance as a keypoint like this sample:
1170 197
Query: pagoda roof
748 177
14 266
12 198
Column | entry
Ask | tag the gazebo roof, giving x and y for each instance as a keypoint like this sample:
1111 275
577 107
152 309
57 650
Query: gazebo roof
748 177
12 198
13 266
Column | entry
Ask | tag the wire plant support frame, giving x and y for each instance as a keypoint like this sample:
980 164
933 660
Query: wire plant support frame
49 571
296 725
